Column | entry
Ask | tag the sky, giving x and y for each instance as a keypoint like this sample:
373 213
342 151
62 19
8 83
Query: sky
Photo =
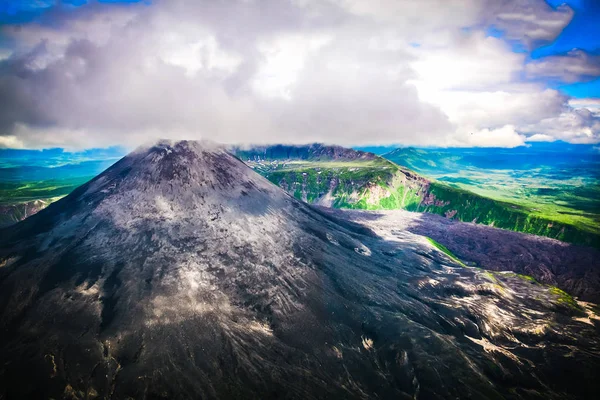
486 73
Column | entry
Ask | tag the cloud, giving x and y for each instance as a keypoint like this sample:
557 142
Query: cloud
348 97
593 105
572 125
575 66
519 105
469 61
533 22
158 76
409 16
475 82
10 142
540 137
530 21
294 71
505 136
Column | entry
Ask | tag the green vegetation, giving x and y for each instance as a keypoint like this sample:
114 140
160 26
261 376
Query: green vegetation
21 192
32 179
375 183
564 298
491 277
552 190
472 207
18 200
521 276
445 250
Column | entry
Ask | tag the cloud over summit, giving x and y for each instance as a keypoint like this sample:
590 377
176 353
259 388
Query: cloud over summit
344 71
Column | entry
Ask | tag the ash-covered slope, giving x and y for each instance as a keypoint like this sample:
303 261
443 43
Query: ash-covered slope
181 273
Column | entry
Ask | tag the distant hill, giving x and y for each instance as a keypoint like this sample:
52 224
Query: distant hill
312 152
31 179
12 213
346 178
559 182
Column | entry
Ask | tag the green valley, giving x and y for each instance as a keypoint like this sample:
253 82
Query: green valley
32 179
18 200
558 182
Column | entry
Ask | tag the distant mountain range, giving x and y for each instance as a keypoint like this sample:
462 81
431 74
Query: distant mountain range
180 273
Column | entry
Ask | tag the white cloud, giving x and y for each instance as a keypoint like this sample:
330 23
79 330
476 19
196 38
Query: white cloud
505 136
572 125
283 60
476 84
441 14
530 21
202 53
522 105
592 105
11 141
540 137
342 71
572 67
472 61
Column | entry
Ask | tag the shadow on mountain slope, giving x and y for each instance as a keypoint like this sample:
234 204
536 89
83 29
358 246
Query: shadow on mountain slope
571 267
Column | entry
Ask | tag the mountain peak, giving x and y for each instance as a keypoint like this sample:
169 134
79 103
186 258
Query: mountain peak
188 163
171 179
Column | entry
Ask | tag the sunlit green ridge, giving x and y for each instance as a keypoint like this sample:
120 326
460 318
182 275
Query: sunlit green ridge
360 180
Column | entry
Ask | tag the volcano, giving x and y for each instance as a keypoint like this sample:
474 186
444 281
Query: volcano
181 273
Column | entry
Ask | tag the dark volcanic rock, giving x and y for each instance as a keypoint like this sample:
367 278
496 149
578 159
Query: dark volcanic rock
180 273
573 268
10 214
315 151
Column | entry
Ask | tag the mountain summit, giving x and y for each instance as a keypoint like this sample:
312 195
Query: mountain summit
181 273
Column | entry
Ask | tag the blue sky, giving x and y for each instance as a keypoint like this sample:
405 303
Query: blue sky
80 74
583 33
23 11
